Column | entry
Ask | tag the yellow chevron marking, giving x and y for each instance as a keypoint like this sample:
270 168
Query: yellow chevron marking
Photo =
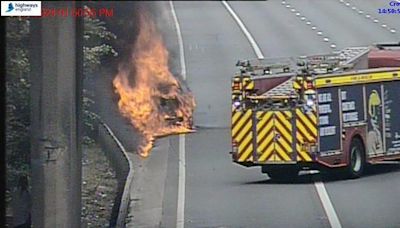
268 140
242 121
279 149
313 118
247 82
267 152
287 147
244 131
283 131
264 131
301 127
283 119
300 138
246 153
245 141
264 119
249 86
298 148
296 85
306 156
308 124
304 153
236 116
289 114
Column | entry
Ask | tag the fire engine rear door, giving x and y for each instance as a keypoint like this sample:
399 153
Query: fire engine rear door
274 141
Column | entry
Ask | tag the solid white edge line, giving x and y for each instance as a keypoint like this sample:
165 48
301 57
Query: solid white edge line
180 210
180 216
322 193
180 41
253 43
327 204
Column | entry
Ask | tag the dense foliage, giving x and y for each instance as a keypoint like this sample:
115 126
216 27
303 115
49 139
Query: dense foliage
95 49
17 101
18 83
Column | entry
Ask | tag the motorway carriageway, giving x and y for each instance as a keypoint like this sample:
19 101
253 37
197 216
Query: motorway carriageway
203 188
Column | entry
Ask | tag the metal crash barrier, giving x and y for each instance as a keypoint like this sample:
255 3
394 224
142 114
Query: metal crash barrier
123 167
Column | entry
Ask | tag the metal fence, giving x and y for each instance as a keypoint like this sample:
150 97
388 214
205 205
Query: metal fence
123 167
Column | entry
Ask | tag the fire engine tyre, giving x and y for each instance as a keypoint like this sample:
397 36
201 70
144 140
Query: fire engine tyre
356 165
283 173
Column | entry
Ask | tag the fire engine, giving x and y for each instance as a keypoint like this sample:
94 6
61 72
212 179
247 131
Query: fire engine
338 110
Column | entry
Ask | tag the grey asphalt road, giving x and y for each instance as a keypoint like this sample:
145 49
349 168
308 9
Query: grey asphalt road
218 192
222 194
371 7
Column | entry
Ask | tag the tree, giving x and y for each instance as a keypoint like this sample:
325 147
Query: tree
18 84
95 49
17 99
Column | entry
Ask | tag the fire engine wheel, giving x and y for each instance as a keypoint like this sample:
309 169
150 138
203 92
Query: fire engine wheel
284 173
356 164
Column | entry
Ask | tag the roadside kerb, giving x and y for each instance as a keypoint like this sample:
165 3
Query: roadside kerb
122 165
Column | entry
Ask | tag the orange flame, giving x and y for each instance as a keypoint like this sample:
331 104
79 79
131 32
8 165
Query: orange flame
150 96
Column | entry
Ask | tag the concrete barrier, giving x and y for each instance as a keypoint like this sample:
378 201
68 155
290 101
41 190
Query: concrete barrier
123 167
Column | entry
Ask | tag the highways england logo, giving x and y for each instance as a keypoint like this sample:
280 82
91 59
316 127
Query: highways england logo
21 8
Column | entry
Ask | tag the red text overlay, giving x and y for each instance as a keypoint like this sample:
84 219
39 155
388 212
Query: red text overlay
77 12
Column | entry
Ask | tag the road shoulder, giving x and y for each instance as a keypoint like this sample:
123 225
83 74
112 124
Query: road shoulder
147 190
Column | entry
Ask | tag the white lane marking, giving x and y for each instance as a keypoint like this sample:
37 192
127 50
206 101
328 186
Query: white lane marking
320 33
325 200
375 20
180 41
327 204
322 193
253 43
180 216
180 210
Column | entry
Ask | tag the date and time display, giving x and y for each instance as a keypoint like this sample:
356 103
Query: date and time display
393 7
